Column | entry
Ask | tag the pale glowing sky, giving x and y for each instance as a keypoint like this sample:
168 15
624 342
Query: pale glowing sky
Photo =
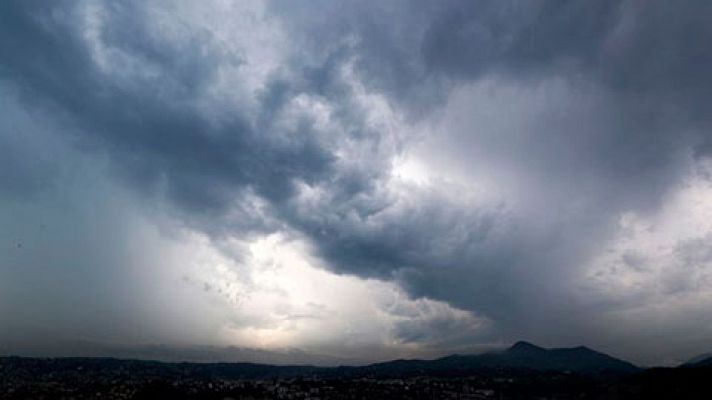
345 181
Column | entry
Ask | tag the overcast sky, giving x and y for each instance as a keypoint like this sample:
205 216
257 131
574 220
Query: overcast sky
350 180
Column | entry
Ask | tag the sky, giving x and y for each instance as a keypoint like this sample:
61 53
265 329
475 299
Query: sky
345 182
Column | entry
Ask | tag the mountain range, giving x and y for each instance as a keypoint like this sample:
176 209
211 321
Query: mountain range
522 356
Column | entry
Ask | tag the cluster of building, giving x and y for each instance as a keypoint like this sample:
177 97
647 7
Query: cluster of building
138 387
108 379
372 388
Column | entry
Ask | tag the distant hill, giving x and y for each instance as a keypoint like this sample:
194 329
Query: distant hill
521 355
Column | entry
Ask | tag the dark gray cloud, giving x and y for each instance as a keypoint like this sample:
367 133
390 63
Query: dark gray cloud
617 141
570 113
140 114
615 89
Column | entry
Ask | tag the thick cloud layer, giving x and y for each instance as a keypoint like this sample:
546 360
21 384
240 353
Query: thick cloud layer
485 158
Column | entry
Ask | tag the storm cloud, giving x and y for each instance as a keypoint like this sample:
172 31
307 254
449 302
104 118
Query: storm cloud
482 172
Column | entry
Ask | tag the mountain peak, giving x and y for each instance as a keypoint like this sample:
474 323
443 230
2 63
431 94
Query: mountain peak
583 349
524 346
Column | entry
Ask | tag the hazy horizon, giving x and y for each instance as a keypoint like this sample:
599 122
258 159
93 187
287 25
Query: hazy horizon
344 180
278 357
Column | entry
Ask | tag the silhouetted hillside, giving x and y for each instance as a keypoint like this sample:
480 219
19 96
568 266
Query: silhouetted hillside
521 355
